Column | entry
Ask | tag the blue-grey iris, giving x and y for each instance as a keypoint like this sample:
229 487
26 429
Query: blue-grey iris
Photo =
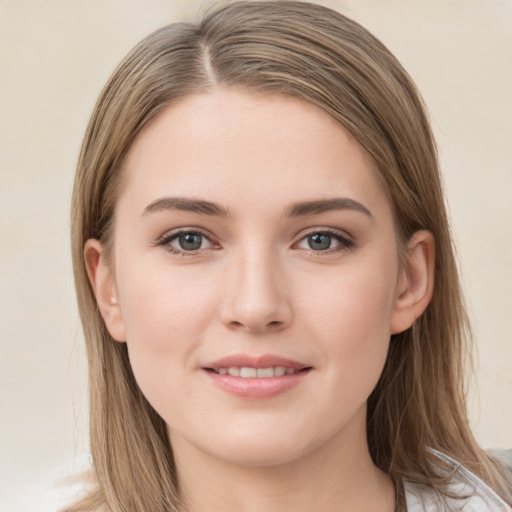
190 242
319 241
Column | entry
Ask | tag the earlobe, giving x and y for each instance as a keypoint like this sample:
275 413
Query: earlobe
103 283
416 281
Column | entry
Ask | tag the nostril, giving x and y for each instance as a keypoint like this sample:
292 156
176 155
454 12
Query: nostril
256 326
255 315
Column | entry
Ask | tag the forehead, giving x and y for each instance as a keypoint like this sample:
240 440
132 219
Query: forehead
229 144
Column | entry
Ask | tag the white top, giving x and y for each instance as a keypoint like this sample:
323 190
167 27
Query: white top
470 493
475 495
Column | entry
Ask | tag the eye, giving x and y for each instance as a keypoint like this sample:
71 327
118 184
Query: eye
325 241
189 241
319 241
183 242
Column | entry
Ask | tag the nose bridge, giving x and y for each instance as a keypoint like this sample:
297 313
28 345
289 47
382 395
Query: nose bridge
255 293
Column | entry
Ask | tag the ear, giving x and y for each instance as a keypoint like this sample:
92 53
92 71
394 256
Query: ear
416 281
103 283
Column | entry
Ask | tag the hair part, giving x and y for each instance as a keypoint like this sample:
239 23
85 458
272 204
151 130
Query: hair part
318 56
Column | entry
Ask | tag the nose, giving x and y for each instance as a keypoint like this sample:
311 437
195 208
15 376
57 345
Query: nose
255 295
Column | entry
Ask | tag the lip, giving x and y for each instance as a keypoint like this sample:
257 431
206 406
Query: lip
264 361
255 388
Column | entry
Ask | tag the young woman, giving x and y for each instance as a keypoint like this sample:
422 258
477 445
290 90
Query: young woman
266 278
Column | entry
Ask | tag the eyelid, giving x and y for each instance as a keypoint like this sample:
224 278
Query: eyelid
165 240
346 241
324 229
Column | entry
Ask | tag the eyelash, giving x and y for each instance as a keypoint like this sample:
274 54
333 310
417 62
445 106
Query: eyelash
165 241
345 243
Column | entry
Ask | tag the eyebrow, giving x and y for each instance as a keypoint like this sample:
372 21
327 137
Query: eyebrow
186 205
325 205
299 209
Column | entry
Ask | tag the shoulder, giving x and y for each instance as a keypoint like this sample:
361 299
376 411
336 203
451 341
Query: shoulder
465 493
504 457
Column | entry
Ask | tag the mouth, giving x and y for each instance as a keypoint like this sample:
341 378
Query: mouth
256 367
247 372
256 377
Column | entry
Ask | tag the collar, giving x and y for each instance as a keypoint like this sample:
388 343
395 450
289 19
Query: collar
467 493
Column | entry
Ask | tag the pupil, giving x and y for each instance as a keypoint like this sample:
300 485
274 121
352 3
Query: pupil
318 241
190 242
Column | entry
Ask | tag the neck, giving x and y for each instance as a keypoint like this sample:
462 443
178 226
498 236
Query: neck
336 477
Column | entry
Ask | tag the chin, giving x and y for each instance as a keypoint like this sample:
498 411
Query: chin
260 454
264 447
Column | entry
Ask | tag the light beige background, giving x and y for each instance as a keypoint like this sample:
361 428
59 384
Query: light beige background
55 56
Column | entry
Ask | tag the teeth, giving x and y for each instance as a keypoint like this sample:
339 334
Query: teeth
261 373
248 372
279 371
265 372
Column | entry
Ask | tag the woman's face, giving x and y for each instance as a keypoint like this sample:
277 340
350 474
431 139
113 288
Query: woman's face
256 274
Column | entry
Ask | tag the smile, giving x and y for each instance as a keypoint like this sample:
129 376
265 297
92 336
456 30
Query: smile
256 378
256 373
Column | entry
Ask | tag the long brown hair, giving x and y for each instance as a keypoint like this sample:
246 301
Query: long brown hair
319 56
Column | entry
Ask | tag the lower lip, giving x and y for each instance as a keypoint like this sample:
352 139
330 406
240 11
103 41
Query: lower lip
257 388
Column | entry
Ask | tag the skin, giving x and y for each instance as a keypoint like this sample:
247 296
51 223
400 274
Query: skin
255 286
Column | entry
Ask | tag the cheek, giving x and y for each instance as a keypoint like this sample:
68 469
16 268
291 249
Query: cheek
350 319
165 315
161 303
356 303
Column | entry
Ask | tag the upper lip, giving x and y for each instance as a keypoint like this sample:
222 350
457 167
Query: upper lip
264 361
